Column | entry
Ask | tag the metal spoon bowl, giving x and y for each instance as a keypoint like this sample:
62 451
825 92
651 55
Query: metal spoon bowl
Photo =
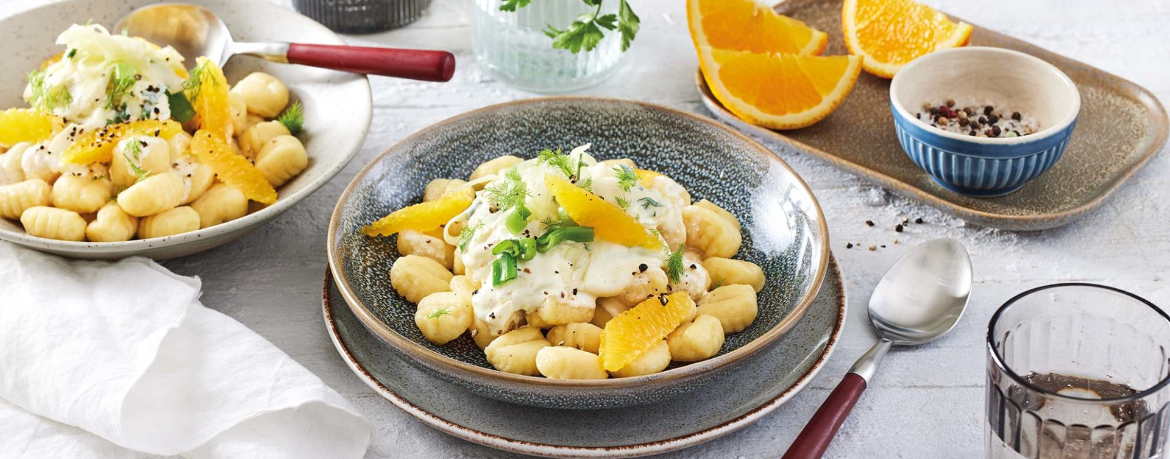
196 31
919 299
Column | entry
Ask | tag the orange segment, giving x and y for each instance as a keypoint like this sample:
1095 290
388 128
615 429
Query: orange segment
633 332
888 34
609 222
422 217
211 105
744 25
25 125
98 146
778 91
645 176
232 169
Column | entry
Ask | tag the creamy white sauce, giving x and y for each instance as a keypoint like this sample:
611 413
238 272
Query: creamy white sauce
571 273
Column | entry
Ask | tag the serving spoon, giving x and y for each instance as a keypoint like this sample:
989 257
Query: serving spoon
919 299
196 31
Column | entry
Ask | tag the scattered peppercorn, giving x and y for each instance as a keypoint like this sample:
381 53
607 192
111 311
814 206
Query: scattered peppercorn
872 248
642 267
848 245
869 223
918 220
898 228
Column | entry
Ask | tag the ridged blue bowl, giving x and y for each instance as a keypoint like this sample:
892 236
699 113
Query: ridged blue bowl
980 166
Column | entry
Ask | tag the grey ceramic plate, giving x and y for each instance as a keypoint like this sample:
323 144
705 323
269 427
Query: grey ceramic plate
784 229
1121 127
337 108
732 401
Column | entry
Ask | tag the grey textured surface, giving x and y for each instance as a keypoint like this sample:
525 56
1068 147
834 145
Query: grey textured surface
926 403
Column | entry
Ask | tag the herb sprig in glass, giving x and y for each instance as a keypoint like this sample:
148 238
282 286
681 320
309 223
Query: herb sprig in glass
589 28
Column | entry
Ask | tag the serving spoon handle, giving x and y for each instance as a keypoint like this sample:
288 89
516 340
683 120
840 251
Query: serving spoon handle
414 64
822 427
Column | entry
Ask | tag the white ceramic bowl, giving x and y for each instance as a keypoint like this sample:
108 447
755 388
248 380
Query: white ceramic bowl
982 166
337 108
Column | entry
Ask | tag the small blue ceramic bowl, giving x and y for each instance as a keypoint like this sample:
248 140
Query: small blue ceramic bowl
982 166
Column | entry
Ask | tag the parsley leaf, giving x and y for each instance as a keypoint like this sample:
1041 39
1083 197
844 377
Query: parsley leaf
626 177
512 5
674 264
628 25
583 33
293 117
439 313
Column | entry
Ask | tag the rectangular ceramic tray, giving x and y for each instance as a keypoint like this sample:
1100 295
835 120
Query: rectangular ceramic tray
1121 127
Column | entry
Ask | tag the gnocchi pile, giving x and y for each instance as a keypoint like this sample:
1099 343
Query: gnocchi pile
566 267
122 142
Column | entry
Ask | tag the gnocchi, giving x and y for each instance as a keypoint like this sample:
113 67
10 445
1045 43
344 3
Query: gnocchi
168 223
121 158
733 305
416 277
53 223
530 266
443 316
695 341
725 271
559 362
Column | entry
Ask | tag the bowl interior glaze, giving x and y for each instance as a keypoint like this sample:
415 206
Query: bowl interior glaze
784 230
1021 81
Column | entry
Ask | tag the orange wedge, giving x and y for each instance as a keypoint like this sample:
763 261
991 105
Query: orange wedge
232 169
645 176
744 25
609 222
888 34
633 332
422 217
778 91
211 104
25 125
98 146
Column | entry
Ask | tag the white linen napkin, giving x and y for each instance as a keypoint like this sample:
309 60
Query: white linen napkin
124 351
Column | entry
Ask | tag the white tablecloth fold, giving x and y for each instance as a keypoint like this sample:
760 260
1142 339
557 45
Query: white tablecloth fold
124 351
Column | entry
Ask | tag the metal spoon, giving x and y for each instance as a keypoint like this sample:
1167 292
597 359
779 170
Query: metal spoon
196 31
920 298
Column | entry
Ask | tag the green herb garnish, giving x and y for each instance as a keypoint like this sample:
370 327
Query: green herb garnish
504 269
586 31
133 155
648 202
47 99
181 109
626 177
122 80
551 238
587 185
195 80
72 52
439 313
509 193
466 234
674 264
622 202
293 117
558 160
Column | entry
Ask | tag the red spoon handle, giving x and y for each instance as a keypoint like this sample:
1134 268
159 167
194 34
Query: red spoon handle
414 64
818 433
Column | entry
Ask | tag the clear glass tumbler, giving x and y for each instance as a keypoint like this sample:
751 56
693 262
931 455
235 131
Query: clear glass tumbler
1077 371
512 47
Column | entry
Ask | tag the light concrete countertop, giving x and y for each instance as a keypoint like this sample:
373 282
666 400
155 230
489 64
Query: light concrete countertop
925 403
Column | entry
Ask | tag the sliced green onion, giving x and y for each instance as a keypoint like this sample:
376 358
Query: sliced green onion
181 109
518 220
527 249
503 269
510 247
559 235
578 233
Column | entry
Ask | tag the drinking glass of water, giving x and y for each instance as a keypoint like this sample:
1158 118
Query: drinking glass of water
1077 371
512 47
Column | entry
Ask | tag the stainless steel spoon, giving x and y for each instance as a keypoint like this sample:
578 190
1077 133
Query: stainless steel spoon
919 299
196 31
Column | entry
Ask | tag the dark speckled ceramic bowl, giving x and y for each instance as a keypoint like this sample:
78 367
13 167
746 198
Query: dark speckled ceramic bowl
784 230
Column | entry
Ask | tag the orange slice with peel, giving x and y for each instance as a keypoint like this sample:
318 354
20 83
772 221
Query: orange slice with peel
422 217
98 146
232 169
888 34
25 125
779 91
744 25
609 222
636 330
